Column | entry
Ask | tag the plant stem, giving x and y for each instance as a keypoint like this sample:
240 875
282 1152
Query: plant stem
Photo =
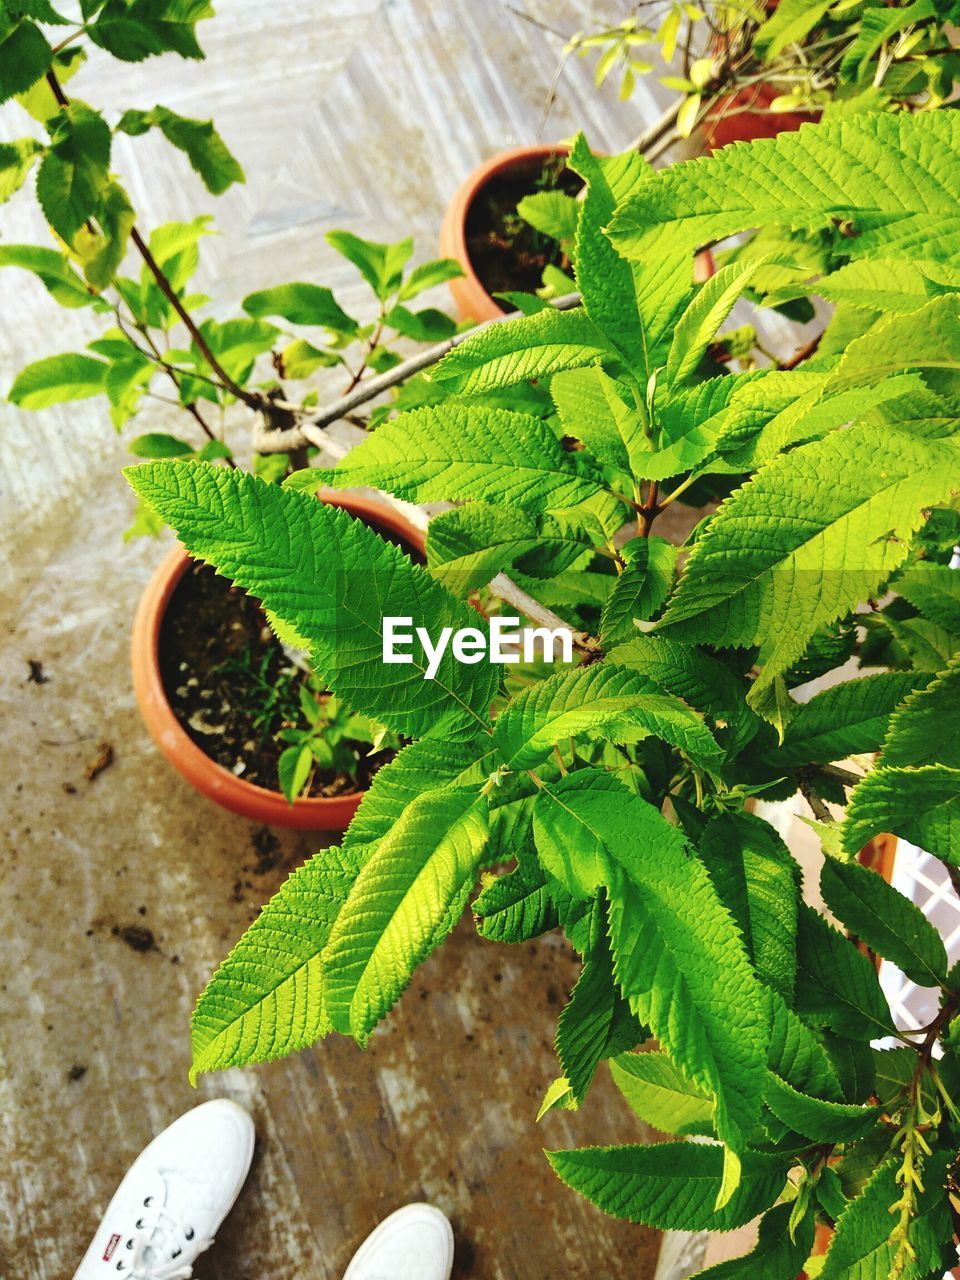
248 398
267 441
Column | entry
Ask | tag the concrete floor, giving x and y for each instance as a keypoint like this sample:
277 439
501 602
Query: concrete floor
365 116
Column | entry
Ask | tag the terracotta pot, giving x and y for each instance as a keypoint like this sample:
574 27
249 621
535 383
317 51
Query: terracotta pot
722 126
313 813
471 297
472 300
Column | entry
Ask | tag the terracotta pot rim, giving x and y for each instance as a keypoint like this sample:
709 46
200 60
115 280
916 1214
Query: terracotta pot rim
468 291
258 803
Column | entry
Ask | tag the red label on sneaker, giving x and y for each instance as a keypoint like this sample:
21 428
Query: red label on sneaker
111 1248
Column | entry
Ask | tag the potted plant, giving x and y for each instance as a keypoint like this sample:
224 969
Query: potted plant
235 714
155 334
612 792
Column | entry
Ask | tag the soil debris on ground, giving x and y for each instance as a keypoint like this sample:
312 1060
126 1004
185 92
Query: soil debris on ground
102 760
137 937
37 674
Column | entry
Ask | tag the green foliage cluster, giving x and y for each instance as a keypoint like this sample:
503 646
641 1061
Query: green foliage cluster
833 57
611 800
154 332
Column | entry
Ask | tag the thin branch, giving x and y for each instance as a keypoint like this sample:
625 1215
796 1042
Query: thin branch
802 353
267 441
506 589
817 806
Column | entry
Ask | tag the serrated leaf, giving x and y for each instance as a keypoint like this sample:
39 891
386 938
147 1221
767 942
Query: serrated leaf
70 376
407 898
455 450
862 1248
553 213
332 579
777 1254
933 589
756 879
876 169
920 805
672 1185
677 954
517 906
203 146
700 322
796 1055
661 1095
427 765
596 1023
301 303
381 265
837 986
427 276
52 269
891 925
773 566
136 29
72 177
599 701
268 997
815 1118
790 23
25 55
536 346
16 161
592 409
640 590
925 728
845 720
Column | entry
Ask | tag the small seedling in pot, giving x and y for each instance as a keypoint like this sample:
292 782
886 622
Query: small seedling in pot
325 735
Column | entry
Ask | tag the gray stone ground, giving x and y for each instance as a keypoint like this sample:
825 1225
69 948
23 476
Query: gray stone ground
366 116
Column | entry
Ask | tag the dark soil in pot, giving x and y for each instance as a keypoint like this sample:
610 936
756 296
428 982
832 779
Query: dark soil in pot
216 651
507 253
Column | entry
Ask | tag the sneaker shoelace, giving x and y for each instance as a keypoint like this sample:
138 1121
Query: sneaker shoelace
157 1246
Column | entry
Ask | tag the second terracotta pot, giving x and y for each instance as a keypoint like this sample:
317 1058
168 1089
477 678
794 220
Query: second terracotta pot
259 804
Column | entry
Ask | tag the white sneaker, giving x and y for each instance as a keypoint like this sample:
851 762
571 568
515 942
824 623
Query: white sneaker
176 1193
415 1243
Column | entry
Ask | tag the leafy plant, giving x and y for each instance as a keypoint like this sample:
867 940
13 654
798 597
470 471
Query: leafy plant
154 332
831 56
611 799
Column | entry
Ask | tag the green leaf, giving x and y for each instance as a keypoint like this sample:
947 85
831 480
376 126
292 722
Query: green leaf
773 566
796 1055
155 444
301 303
70 376
925 729
102 250
790 23
756 879
877 170
268 998
39 101
877 25
890 925
25 55
207 152
702 319
661 1095
934 589
677 954
862 1248
518 906
837 986
599 701
428 325
845 720
536 346
553 213
778 1253
920 805
928 338
333 580
293 768
381 265
593 409
52 269
453 450
596 1023
16 161
816 1119
136 29
405 901
427 765
427 276
640 590
672 1185
72 178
